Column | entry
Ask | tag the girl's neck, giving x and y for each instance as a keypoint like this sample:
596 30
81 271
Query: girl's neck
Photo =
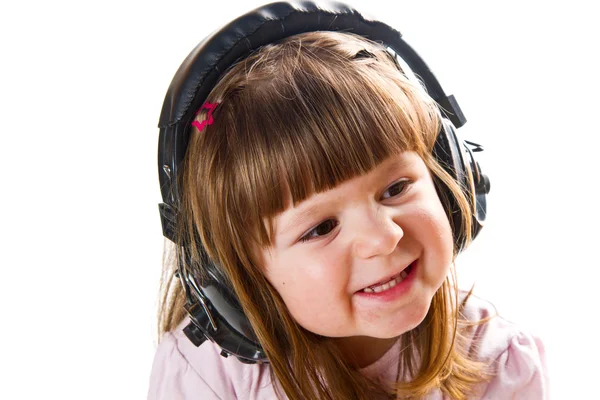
364 350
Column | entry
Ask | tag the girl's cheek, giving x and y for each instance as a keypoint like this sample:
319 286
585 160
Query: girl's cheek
324 266
429 224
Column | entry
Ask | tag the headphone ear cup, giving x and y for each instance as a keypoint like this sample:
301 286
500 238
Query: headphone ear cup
447 152
480 186
215 311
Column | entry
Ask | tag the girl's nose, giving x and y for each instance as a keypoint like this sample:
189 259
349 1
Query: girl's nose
376 234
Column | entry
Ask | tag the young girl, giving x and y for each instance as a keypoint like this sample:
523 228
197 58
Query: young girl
317 225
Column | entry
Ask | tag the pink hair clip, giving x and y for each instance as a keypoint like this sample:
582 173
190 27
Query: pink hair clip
209 120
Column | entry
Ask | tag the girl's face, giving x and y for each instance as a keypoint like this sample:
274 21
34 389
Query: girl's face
331 246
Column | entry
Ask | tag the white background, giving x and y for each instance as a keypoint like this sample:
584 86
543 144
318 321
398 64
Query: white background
82 86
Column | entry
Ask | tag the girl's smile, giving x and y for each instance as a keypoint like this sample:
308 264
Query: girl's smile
391 288
335 253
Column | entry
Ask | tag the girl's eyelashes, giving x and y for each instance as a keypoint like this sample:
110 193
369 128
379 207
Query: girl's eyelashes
327 226
320 230
397 188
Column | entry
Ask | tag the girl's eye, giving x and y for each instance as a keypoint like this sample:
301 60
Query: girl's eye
396 189
327 226
320 230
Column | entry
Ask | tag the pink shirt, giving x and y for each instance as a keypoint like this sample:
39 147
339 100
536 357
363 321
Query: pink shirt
183 371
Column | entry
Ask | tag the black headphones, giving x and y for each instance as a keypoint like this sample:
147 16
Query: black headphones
213 307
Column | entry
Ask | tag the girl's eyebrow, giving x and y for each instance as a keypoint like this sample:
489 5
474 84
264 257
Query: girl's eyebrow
310 211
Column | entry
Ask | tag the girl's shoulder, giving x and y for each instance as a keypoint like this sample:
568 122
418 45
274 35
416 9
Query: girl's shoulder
183 371
494 336
517 356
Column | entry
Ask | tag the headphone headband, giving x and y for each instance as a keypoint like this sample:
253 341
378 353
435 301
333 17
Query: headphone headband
203 67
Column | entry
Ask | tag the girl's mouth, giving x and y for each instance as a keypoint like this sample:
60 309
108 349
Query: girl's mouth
393 281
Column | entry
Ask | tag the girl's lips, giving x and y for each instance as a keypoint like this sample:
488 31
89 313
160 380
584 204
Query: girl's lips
395 292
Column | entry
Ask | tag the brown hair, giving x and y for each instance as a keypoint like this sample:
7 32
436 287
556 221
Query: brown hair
296 118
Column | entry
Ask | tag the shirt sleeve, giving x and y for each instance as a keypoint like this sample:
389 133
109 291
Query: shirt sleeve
173 378
522 372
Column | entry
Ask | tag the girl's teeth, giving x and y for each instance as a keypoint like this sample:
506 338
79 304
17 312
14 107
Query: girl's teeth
387 285
381 288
